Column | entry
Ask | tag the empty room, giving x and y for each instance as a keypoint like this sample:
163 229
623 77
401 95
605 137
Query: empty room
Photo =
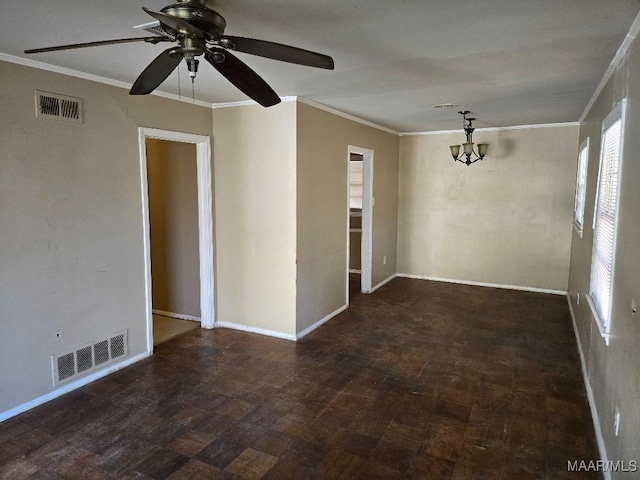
319 240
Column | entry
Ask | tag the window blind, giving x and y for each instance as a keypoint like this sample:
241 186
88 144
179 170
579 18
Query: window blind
581 185
605 220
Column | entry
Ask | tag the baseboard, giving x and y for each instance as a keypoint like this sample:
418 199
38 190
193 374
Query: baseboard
179 316
81 382
384 282
592 404
483 284
259 331
310 329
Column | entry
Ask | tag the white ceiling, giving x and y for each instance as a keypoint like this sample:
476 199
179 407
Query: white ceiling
511 62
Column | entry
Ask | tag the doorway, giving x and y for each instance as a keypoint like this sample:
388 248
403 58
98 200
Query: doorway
359 221
205 280
173 220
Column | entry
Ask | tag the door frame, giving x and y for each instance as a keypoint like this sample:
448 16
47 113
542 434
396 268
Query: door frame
368 202
205 223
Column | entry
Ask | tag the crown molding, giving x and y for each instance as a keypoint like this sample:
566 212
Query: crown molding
311 103
117 83
494 129
242 103
93 78
319 106
620 54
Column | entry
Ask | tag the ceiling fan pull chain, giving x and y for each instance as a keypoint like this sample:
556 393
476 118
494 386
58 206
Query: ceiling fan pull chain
179 90
193 91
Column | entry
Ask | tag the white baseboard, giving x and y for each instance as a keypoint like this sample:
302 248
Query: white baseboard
275 334
592 403
81 382
483 284
384 282
310 329
259 331
179 316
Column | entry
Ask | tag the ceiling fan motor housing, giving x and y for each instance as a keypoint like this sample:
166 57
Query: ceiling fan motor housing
199 15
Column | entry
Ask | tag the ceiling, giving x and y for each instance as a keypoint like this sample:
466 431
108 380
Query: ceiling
511 62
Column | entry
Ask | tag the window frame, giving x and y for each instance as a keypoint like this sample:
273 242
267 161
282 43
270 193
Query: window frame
582 174
604 324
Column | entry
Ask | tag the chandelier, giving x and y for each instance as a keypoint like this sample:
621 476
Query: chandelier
467 148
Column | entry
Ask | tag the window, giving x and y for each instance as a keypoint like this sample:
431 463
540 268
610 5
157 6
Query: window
605 217
581 186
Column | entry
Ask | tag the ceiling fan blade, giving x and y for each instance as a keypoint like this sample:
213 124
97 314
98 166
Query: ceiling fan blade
176 24
243 77
72 46
278 51
156 72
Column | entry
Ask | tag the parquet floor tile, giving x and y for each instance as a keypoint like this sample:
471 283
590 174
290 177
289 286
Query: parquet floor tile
410 382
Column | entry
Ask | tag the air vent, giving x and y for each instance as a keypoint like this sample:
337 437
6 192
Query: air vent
88 357
446 105
58 107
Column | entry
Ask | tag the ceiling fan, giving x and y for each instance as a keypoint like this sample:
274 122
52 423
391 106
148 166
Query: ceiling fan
199 30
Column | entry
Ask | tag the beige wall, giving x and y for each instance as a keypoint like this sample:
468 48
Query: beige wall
255 197
614 370
173 214
506 220
71 244
322 156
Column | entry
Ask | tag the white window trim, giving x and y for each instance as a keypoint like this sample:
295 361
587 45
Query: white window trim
618 112
584 147
604 332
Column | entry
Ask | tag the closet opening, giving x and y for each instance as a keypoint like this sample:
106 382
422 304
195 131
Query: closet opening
177 216
359 225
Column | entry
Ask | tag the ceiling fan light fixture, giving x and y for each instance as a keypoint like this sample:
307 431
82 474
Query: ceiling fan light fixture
192 65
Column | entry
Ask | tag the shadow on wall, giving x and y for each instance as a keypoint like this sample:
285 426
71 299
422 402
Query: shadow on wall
502 147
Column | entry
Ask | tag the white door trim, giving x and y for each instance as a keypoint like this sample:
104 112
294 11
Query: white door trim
205 222
367 218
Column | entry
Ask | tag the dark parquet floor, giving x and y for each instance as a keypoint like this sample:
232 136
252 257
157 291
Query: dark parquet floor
420 380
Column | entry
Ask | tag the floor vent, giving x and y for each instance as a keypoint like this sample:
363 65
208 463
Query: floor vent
88 357
58 107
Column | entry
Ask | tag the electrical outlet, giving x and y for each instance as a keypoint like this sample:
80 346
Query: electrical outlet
634 307
384 260
616 422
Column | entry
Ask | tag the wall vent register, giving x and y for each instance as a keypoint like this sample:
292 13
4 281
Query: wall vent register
88 357
58 107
